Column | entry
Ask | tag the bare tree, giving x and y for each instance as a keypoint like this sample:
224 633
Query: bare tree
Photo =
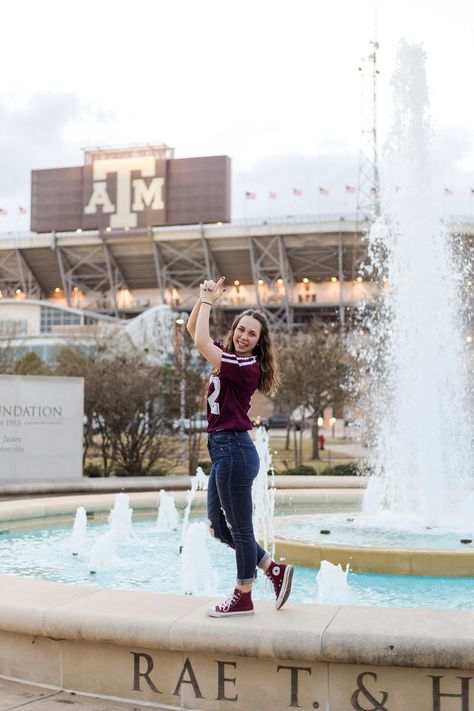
126 403
292 389
90 365
133 412
316 367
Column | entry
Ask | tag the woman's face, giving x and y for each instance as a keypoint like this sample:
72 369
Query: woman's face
246 335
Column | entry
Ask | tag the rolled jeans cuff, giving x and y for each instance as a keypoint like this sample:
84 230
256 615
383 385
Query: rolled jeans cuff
263 560
245 581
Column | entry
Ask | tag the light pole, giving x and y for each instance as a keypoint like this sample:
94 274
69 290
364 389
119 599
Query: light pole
179 353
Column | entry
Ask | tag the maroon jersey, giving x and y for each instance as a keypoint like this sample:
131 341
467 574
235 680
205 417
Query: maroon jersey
228 397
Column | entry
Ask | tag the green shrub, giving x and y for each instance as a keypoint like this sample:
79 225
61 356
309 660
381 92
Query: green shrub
351 469
93 470
301 470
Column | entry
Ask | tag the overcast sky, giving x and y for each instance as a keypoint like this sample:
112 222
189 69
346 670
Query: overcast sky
272 83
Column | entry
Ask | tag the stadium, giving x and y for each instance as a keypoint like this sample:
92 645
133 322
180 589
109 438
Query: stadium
135 228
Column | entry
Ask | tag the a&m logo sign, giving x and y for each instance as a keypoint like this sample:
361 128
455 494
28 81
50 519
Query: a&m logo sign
126 187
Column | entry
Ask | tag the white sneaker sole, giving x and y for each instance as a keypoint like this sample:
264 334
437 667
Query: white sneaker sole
285 588
212 612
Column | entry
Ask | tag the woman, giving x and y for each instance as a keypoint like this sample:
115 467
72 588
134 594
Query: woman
245 363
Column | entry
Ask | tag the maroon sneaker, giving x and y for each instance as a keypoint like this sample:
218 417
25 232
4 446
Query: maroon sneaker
237 603
281 576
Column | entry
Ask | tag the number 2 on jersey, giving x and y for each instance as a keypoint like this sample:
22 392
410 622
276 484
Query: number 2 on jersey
214 395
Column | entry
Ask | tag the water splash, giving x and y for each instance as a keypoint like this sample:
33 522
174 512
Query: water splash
198 483
78 539
198 577
104 554
263 495
416 353
120 518
332 584
168 517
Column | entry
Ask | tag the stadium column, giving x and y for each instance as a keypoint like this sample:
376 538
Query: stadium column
65 283
340 266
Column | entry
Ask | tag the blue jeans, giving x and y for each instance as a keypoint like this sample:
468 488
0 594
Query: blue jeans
235 465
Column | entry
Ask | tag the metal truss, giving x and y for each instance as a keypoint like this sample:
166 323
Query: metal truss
16 274
270 262
93 270
180 266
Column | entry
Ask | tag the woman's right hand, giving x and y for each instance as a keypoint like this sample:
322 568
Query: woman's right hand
212 291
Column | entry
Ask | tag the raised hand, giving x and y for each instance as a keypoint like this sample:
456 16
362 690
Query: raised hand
211 291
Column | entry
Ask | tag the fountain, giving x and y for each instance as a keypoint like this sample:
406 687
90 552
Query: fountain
198 577
198 483
104 553
78 540
417 513
120 518
332 584
168 517
263 495
162 651
416 352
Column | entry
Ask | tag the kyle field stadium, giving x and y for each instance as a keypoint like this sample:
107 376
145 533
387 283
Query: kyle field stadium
135 228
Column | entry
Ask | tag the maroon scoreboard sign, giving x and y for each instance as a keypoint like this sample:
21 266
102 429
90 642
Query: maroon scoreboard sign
131 188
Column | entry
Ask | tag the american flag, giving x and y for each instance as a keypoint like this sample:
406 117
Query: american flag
298 192
272 195
22 210
324 191
250 196
350 189
448 192
3 212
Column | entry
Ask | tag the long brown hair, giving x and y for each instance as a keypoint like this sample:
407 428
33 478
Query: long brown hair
264 350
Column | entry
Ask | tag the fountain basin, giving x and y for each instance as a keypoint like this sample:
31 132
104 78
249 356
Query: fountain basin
24 515
164 651
403 561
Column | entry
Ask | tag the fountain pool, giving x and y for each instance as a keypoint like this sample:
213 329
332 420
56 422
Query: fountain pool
46 554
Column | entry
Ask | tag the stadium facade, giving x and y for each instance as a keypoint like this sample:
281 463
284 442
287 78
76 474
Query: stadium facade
136 228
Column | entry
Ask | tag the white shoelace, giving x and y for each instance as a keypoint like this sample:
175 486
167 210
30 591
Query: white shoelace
229 601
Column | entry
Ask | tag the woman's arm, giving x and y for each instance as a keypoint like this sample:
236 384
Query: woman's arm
191 322
202 337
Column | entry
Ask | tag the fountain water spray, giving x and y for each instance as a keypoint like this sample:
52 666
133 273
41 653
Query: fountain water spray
197 573
78 542
263 496
120 518
198 483
420 399
333 587
168 517
104 552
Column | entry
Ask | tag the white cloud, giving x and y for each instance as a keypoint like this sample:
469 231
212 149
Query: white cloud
272 84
